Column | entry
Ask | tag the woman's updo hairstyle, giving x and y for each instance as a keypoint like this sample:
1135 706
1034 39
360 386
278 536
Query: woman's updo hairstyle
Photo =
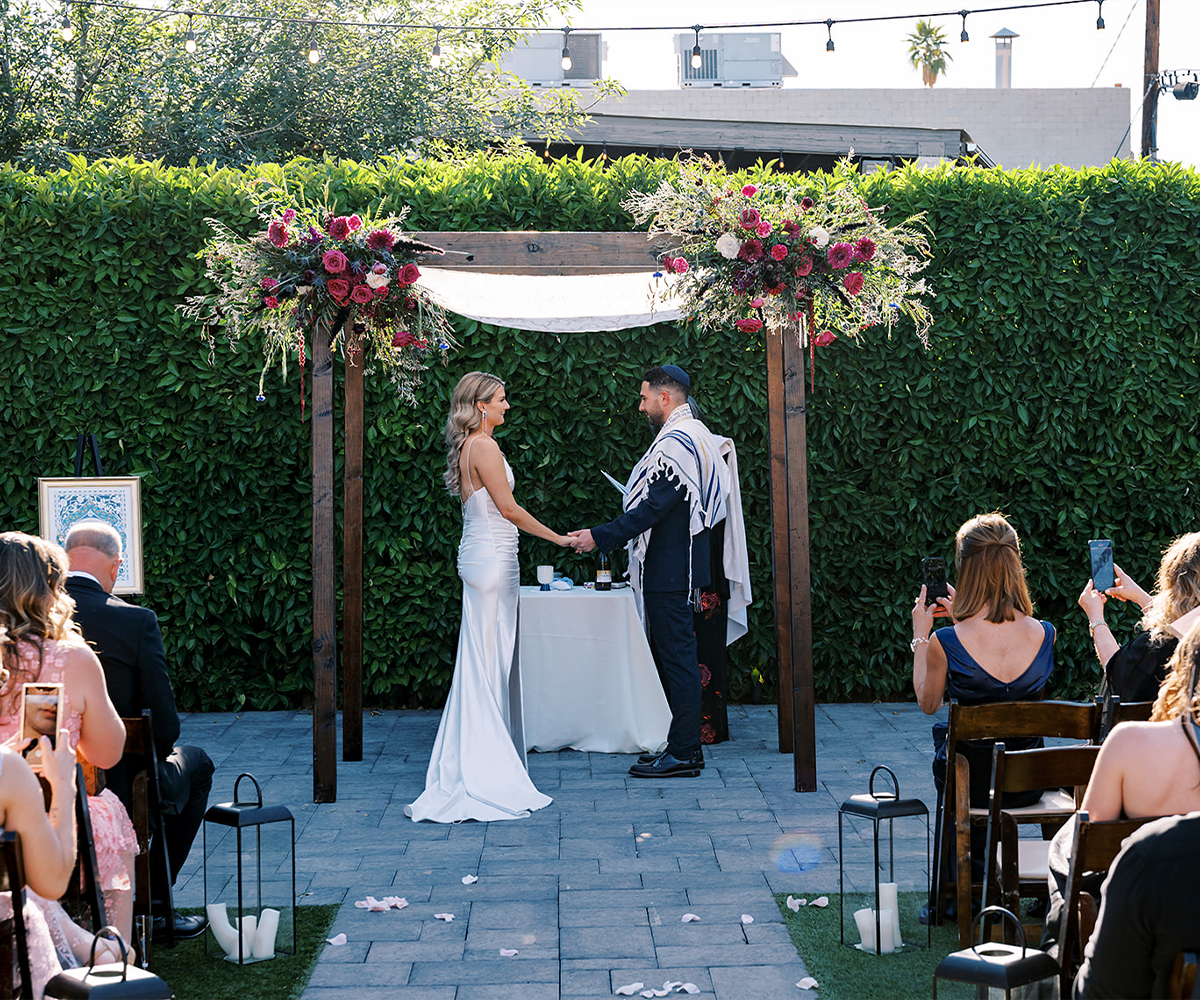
987 555
472 389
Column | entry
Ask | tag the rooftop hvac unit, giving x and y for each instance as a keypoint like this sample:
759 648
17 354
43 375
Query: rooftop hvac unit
537 59
730 60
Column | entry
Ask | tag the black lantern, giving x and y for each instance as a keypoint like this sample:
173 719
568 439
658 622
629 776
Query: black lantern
879 808
1019 971
252 906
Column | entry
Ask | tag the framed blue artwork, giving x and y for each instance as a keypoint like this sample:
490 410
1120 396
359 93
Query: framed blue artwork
114 500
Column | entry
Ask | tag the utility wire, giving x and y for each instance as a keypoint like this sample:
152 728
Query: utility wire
1132 5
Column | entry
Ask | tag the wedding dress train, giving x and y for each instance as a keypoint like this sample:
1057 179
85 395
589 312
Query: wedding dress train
477 769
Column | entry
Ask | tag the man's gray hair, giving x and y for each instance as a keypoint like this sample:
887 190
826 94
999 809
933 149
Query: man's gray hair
98 535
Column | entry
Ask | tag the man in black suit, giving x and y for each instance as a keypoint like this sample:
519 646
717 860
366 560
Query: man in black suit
129 644
674 496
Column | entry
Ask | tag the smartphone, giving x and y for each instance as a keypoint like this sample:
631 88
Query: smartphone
1100 550
41 715
933 575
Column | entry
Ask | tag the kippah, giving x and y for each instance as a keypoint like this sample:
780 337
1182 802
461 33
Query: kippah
678 374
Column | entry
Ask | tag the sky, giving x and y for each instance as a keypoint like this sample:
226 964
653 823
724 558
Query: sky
1057 47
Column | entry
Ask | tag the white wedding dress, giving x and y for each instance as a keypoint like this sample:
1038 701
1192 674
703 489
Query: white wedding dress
478 770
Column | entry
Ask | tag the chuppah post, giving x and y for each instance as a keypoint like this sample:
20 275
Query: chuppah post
352 533
324 576
780 563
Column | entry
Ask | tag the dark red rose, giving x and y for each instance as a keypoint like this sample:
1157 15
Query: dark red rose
362 294
338 288
750 218
853 282
824 338
270 302
804 268
409 273
791 227
403 339
751 325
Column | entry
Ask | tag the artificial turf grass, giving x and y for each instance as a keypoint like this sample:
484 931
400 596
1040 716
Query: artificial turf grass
845 973
194 975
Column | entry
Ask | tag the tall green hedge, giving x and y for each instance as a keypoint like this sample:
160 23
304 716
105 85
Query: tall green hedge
1059 387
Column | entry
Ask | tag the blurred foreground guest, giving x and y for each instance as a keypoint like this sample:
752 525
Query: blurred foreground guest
128 641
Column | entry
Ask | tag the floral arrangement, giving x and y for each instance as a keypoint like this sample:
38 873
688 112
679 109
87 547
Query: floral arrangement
356 273
752 256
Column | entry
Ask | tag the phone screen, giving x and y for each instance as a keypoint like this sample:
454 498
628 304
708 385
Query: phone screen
1101 553
933 574
39 717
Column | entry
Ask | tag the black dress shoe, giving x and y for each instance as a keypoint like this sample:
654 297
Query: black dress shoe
669 766
185 927
650 758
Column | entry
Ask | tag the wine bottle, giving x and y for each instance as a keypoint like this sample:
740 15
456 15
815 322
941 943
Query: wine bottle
603 572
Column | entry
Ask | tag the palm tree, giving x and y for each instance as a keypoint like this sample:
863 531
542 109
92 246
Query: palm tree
927 51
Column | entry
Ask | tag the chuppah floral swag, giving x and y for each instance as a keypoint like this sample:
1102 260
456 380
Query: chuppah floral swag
354 272
753 256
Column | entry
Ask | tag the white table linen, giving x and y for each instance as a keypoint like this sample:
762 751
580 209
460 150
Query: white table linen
588 678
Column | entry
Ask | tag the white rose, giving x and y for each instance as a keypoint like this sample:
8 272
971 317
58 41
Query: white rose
819 236
376 280
728 246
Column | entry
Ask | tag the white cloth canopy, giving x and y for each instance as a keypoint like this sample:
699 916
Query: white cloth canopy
570 303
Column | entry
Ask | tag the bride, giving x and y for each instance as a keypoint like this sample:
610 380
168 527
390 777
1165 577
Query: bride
478 770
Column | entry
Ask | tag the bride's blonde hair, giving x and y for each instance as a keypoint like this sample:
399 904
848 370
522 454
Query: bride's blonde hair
1177 693
472 388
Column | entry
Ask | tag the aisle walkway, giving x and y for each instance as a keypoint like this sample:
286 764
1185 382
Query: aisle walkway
590 890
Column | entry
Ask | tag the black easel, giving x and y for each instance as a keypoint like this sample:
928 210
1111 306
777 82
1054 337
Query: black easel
80 443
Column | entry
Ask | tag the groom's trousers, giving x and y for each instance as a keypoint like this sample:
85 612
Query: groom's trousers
673 641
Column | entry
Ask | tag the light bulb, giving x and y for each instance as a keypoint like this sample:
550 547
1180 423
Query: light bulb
189 40
314 54
697 57
566 58
435 57
65 29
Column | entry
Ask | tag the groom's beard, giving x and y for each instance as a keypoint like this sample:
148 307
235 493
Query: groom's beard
656 425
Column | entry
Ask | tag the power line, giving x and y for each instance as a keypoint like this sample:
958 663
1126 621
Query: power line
1132 6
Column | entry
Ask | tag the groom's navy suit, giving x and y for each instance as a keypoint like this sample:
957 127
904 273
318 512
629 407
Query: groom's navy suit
666 595
129 644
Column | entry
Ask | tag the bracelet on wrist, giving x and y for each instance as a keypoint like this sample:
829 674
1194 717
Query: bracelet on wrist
1092 626
917 641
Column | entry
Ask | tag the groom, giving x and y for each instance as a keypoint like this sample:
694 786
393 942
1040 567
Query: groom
674 496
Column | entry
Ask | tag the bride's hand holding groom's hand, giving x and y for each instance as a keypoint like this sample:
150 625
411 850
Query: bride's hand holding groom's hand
581 540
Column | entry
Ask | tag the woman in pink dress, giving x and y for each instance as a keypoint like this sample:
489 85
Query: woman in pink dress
40 643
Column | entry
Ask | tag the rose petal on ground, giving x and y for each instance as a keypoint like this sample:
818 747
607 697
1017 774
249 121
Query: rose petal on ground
687 918
672 986
807 983
689 988
794 904
470 879
336 939
444 916
398 902
630 990
821 901
747 919
508 952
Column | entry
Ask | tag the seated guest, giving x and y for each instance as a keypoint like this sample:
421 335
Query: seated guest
40 643
128 641
1148 913
1135 670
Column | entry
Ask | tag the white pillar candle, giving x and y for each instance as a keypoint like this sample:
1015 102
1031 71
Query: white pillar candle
887 943
865 919
888 900
222 930
264 938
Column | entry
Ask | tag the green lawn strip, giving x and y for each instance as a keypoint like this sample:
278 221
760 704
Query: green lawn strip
194 975
845 973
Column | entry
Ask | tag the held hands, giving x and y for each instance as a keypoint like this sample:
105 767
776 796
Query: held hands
581 540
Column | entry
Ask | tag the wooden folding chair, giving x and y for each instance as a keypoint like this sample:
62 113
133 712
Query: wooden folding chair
152 869
12 930
83 900
1095 847
1018 868
955 816
1115 712
1183 983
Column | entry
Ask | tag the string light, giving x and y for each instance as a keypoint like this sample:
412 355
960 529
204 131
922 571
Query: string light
314 53
65 28
829 26
189 40
435 57
566 52
697 55
964 37
1100 15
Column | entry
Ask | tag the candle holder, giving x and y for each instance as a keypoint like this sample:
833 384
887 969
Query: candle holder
252 906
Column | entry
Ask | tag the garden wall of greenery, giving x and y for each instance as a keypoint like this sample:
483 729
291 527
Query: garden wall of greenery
1060 387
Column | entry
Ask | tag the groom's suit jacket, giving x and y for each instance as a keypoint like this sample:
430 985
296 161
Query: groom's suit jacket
665 514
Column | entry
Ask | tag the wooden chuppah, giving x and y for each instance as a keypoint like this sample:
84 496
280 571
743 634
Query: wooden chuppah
559 253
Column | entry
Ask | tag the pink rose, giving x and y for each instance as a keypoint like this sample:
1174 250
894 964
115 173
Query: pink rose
749 325
361 294
338 288
840 255
749 190
409 274
853 282
380 239
277 233
750 218
403 339
681 265
804 268
355 223
379 268
270 302
779 251
758 303
763 228
268 284
334 261
864 249
824 338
